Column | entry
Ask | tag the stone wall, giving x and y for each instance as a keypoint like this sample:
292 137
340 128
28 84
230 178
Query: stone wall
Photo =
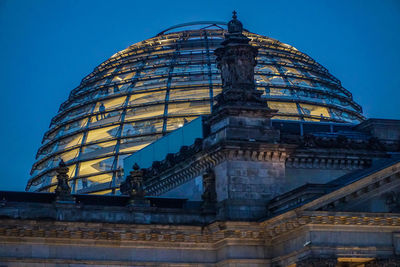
244 187
296 177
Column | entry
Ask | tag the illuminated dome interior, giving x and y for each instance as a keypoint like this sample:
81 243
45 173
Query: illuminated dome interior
159 84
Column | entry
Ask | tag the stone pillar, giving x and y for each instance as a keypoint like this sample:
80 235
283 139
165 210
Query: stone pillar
240 126
244 187
209 195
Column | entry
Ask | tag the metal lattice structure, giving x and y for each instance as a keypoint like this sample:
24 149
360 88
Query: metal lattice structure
156 86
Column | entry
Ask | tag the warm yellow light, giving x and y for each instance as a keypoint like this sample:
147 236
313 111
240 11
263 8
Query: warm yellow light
359 260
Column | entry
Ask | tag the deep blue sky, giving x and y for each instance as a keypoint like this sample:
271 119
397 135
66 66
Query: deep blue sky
47 47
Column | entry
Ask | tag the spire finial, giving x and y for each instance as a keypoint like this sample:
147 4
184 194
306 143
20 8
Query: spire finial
235 26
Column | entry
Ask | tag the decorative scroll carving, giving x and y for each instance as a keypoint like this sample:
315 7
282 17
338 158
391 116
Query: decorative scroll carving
63 190
333 141
317 262
391 262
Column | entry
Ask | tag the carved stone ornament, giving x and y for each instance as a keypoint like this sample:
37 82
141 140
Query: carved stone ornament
237 66
63 190
317 262
391 262
235 26
333 141
134 186
236 60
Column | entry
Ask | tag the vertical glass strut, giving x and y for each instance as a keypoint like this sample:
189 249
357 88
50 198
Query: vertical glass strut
170 71
157 85
209 70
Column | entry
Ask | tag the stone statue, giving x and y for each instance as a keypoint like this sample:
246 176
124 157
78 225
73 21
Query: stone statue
134 186
63 190
236 60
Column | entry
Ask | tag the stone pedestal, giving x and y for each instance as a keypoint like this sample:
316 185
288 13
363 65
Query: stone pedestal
244 187
241 128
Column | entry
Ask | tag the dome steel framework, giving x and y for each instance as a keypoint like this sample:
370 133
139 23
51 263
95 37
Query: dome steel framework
156 86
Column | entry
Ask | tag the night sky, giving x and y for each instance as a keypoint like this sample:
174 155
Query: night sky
47 47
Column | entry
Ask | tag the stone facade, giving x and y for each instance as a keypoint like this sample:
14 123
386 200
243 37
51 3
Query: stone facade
312 237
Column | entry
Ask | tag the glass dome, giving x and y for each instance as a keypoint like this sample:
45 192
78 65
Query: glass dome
159 84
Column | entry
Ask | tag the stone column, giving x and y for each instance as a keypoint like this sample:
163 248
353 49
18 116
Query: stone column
240 126
209 195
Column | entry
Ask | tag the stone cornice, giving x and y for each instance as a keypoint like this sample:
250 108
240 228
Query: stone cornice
275 228
384 176
304 213
199 162
340 161
216 234
192 161
353 194
340 141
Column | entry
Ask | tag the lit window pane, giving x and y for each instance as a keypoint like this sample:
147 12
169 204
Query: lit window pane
174 123
122 77
84 183
67 156
144 112
149 97
105 118
315 110
76 125
110 104
142 127
102 134
69 141
283 107
188 108
94 166
94 150
192 94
